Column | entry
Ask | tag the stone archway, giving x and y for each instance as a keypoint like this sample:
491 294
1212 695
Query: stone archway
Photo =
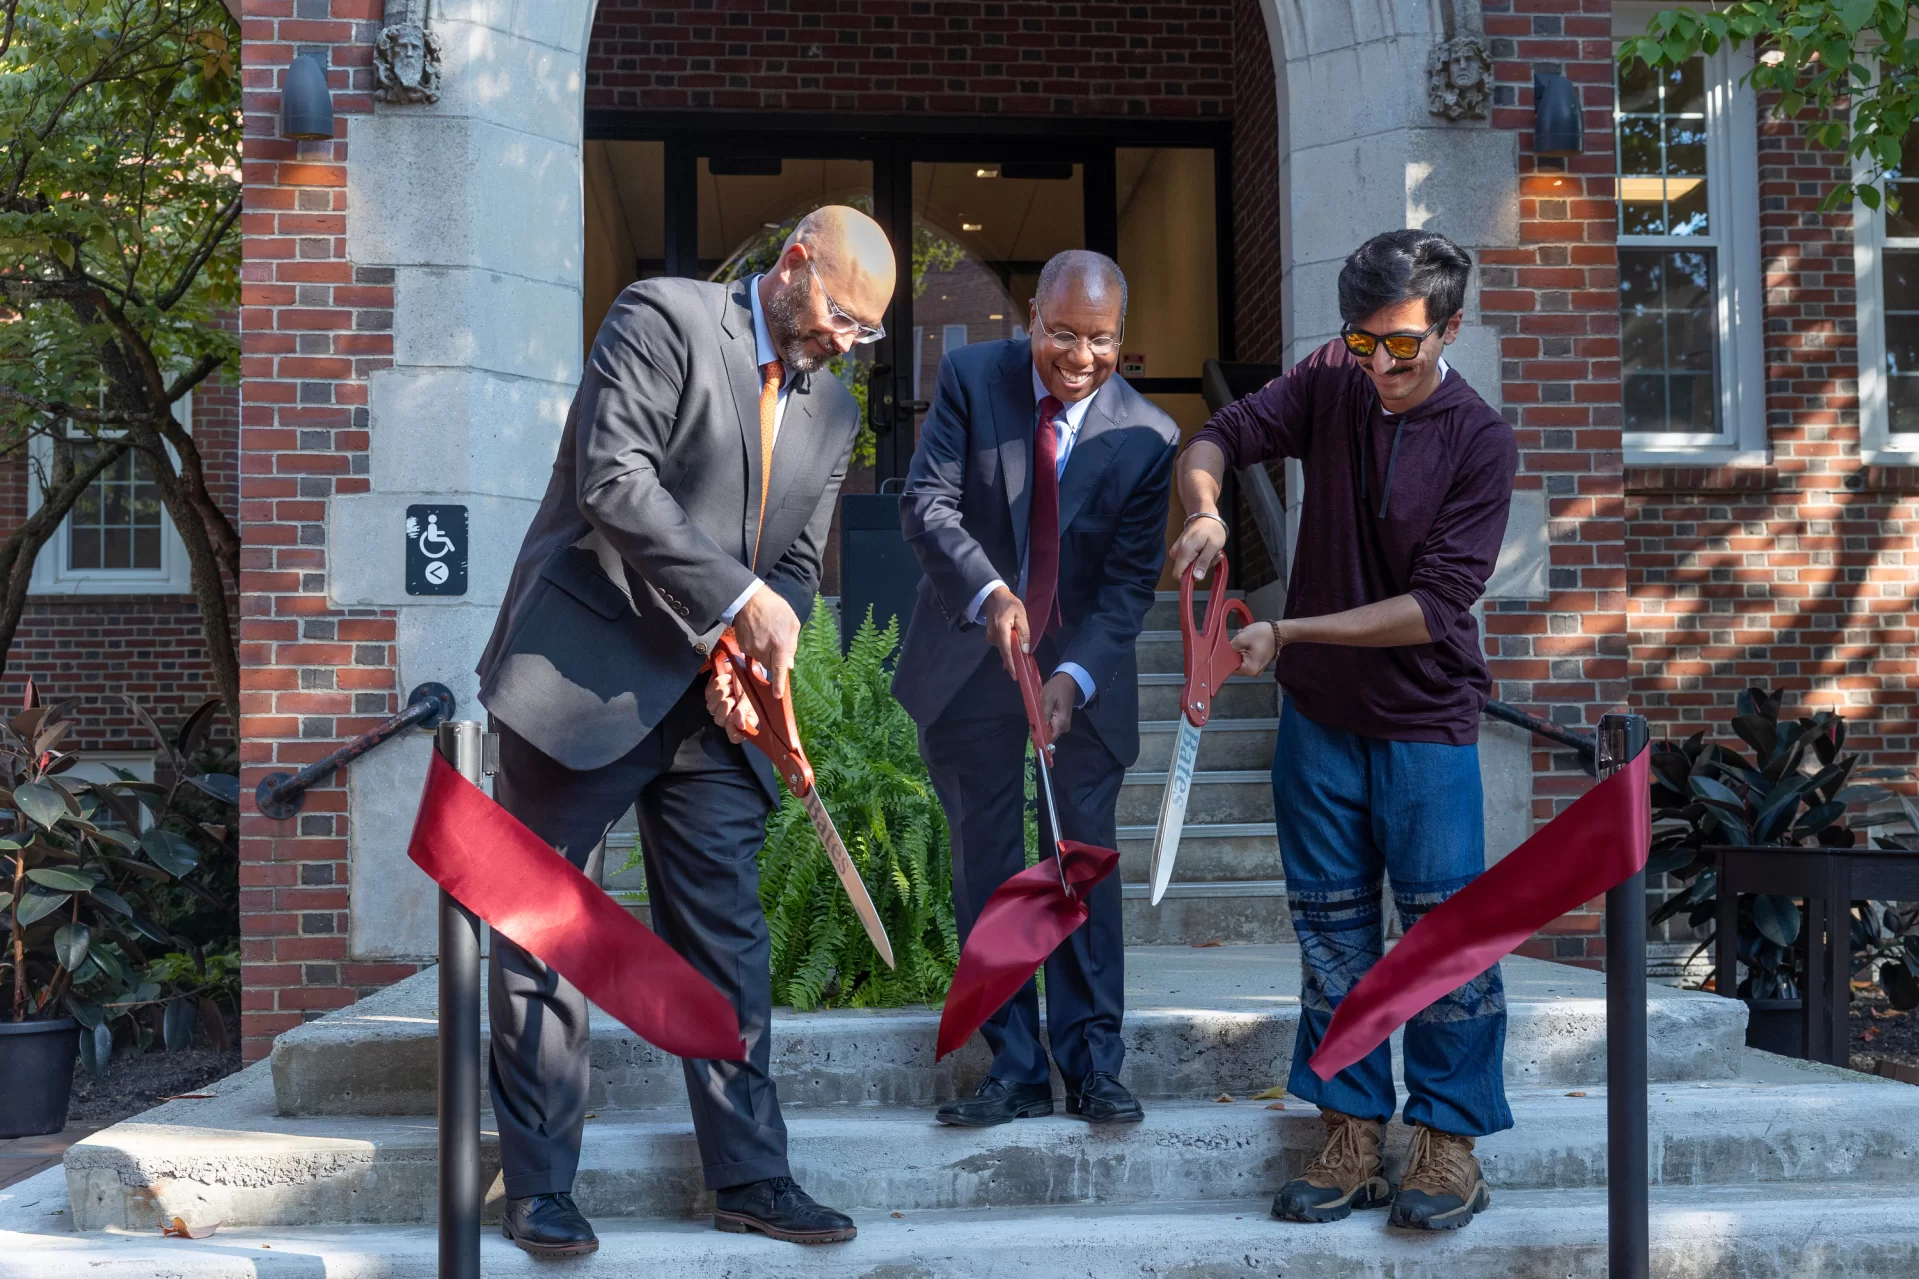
474 204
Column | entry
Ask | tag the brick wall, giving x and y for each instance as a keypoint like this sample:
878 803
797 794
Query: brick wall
1802 574
1555 302
1171 58
312 326
96 647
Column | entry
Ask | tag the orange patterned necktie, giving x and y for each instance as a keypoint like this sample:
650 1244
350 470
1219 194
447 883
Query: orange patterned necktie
770 374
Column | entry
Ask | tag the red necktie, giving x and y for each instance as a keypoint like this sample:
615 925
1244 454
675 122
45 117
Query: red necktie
1042 529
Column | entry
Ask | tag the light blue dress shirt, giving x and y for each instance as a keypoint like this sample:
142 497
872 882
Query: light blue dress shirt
1067 424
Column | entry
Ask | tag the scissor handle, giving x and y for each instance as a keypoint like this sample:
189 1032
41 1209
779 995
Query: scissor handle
1210 656
777 733
1027 674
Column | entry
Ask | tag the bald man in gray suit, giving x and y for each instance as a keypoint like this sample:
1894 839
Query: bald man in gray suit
693 490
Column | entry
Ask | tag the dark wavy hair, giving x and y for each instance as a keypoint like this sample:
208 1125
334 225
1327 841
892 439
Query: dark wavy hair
1398 266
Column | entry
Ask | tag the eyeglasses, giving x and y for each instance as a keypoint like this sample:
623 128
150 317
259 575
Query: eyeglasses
1067 340
842 323
1401 346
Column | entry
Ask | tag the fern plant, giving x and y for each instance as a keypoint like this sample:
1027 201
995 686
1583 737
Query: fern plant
866 761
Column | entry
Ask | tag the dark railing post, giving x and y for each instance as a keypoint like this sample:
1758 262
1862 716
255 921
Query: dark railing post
461 743
1628 1159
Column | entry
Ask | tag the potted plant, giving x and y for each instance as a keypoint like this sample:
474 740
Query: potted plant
1794 788
81 862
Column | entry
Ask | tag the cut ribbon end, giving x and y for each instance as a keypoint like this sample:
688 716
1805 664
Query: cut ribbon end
1023 922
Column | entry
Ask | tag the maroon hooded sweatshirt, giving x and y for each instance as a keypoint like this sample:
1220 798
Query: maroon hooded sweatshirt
1395 504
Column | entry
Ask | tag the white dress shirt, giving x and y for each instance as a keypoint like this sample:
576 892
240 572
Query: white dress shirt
1067 424
763 355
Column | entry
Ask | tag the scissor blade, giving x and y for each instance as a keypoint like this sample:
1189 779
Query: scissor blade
1172 808
849 875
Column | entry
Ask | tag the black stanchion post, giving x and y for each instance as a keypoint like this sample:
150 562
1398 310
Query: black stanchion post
1628 1174
461 743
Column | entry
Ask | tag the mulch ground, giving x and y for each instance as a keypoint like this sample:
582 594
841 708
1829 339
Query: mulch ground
134 1084
1879 1032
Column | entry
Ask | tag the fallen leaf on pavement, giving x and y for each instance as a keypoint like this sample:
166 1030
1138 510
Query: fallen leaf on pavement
1210 941
181 1230
1225 1096
899 1214
1278 1105
1575 1094
1269 1094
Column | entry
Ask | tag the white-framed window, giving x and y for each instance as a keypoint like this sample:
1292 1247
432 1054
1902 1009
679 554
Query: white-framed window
1691 314
1885 250
118 538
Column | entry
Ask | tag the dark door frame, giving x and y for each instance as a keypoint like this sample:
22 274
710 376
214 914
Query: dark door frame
892 144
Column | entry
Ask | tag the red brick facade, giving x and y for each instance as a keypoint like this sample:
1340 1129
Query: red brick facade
954 57
1555 302
1801 574
312 326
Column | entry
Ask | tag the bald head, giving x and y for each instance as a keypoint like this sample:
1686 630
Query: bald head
1078 276
836 269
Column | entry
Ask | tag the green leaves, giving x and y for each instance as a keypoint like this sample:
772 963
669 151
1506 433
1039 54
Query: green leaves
42 802
59 877
36 904
71 944
172 853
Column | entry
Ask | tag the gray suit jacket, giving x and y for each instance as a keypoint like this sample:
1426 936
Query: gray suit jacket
645 533
969 496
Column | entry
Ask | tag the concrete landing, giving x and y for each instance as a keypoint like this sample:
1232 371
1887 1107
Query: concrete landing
230 1159
1197 1021
1712 1233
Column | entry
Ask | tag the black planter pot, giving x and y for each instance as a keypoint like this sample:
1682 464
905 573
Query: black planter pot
36 1060
1776 1026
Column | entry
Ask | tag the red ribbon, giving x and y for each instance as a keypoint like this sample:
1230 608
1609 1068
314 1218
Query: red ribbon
1023 922
1595 845
511 878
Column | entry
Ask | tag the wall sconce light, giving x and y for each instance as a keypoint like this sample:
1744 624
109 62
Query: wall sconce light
1559 125
306 107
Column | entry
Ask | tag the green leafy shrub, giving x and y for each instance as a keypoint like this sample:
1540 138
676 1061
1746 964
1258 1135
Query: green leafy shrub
866 761
86 864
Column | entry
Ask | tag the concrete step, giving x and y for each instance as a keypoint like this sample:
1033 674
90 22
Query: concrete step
1229 913
1223 743
1222 795
1854 1231
231 1160
1207 852
1198 1021
1163 613
1241 697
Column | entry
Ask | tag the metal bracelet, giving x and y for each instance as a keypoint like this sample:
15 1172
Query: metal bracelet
1278 643
1206 515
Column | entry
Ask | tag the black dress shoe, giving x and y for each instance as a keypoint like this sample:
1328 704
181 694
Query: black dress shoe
1102 1099
996 1102
548 1226
779 1208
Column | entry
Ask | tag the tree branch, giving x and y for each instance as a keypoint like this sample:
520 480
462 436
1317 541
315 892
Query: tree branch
193 377
208 243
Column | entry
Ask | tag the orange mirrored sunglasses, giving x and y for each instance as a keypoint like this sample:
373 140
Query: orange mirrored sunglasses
1401 346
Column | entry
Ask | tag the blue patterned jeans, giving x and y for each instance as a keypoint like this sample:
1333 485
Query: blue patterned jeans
1352 810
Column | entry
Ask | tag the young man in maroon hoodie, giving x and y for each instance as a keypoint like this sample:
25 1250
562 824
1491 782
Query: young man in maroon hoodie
1409 475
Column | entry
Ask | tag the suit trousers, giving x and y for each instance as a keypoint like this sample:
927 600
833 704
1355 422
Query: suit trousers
702 816
976 755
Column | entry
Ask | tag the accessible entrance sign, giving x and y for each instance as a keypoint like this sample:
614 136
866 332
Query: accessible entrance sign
436 550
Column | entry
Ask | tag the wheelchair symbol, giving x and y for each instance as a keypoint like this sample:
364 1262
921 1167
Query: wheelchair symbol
433 534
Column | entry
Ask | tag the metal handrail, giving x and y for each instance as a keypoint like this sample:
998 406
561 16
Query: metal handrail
280 795
1587 748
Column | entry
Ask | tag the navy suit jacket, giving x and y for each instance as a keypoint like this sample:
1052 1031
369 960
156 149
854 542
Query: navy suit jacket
965 513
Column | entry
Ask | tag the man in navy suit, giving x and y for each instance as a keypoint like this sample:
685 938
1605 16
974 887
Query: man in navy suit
1036 503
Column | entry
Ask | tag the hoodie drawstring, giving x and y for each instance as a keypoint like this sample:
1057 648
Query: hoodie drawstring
1392 461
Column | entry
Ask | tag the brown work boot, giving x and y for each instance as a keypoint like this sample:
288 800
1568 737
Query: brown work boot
1442 1186
1344 1175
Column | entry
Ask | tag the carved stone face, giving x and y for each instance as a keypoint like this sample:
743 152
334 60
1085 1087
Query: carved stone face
1466 71
408 46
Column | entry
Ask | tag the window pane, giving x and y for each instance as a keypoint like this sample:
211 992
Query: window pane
1686 206
1638 87
1639 145
1902 279
1902 403
1903 221
1669 348
1642 206
83 547
1902 343
146 546
116 547
1684 87
1686 147
116 523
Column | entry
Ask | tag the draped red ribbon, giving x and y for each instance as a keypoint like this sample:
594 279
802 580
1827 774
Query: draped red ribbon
1594 845
1023 922
511 878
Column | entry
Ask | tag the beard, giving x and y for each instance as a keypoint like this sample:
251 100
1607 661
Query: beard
786 326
